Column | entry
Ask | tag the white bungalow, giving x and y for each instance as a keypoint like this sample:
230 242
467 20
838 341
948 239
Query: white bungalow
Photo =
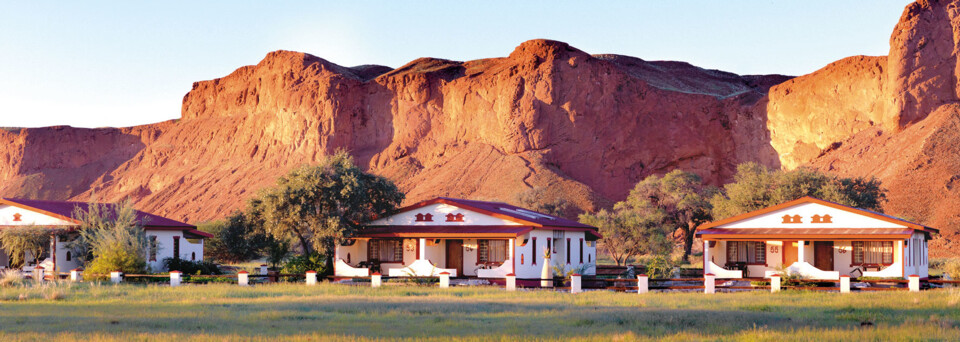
168 238
816 239
467 239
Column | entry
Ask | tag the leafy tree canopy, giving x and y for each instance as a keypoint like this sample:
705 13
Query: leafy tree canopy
318 206
756 187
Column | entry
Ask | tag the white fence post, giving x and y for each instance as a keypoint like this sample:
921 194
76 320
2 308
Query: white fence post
643 284
575 285
75 275
38 273
243 278
511 282
175 278
775 283
914 283
263 269
116 277
709 283
376 279
444 279
844 284
311 277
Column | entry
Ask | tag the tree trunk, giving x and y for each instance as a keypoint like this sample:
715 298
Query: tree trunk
688 233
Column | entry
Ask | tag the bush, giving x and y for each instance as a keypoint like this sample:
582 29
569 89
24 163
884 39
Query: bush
302 263
660 267
235 239
118 259
952 268
191 267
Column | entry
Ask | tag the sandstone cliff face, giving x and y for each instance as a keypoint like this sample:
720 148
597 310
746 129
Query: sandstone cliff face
548 115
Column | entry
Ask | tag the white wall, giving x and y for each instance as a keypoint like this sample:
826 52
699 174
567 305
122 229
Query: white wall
165 248
27 217
840 219
439 212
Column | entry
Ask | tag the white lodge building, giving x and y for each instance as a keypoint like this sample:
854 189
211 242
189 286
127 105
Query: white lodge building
816 239
467 239
168 237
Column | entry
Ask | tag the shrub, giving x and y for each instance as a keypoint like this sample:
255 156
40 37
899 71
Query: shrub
118 259
235 239
660 267
952 268
10 278
300 264
191 267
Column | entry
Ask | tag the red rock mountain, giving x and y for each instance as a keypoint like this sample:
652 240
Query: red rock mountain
585 127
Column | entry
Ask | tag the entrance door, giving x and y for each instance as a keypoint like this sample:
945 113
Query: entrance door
789 253
455 255
823 255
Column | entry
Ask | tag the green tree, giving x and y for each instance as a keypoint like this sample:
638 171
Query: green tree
627 233
16 242
537 199
677 201
320 206
110 237
756 187
235 239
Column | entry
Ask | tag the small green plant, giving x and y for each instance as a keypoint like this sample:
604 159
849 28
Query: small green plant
117 259
300 264
191 267
660 267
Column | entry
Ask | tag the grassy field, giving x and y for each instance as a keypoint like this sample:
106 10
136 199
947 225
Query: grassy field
92 312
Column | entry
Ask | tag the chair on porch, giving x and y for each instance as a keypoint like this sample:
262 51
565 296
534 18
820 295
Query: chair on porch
738 266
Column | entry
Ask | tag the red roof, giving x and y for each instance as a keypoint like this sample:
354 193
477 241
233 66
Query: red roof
64 210
800 233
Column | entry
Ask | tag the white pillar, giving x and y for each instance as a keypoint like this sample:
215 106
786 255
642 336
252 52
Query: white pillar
263 269
38 273
423 249
575 284
844 284
903 258
513 246
914 283
375 280
706 257
775 283
444 280
800 256
643 284
76 275
709 283
243 278
116 277
311 277
175 278
511 282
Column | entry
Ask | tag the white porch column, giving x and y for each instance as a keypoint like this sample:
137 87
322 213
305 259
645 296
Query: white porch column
513 244
706 257
423 249
800 256
903 258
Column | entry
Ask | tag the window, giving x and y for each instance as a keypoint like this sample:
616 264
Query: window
534 255
385 250
872 252
492 251
153 248
549 247
750 252
68 256
176 247
193 256
568 251
581 251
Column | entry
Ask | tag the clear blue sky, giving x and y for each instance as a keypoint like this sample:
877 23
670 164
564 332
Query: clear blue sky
129 63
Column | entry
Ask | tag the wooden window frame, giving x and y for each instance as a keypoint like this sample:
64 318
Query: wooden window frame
759 249
483 252
862 250
399 250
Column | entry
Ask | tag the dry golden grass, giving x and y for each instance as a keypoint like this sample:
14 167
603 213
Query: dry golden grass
93 312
